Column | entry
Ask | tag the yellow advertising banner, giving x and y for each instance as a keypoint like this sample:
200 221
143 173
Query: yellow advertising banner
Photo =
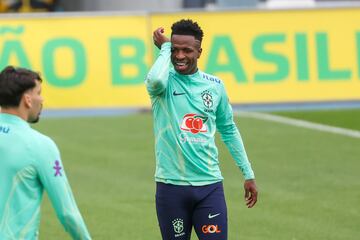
262 56
86 62
281 56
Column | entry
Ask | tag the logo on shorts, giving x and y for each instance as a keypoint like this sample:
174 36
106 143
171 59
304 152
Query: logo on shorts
194 123
178 224
209 229
213 215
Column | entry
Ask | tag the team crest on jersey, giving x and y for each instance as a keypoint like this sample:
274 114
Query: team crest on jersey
208 102
207 98
194 123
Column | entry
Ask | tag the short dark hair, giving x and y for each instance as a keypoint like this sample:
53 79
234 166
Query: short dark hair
13 83
187 27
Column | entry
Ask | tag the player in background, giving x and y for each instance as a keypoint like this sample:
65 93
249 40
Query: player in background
188 106
29 163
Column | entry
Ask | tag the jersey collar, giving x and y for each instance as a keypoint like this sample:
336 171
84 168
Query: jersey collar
189 77
11 118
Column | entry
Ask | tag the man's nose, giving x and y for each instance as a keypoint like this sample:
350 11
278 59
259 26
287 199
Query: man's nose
180 55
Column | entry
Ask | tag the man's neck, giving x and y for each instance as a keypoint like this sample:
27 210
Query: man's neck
14 111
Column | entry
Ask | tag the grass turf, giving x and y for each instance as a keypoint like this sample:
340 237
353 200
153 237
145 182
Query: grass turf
349 118
308 180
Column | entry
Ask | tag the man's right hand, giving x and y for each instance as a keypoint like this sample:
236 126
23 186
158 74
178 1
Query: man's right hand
159 37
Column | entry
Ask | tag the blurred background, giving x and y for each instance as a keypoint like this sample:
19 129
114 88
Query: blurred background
153 5
95 54
277 53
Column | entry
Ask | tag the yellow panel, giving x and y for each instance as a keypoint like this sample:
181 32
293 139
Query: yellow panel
74 55
339 25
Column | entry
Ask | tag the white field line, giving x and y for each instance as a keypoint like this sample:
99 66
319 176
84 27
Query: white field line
300 123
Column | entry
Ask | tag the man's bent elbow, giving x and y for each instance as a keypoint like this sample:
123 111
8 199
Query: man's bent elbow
155 85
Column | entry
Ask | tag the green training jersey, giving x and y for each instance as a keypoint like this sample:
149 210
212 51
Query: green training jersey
187 110
29 163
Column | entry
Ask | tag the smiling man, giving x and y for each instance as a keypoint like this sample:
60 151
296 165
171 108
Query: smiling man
188 107
29 163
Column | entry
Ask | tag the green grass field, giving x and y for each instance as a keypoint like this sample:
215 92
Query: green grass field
309 181
341 118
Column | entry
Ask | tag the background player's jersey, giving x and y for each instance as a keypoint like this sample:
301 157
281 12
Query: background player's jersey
187 110
30 162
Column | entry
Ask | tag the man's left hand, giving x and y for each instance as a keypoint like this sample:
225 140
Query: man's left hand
250 193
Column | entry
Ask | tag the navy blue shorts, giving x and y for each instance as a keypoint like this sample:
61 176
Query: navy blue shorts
179 208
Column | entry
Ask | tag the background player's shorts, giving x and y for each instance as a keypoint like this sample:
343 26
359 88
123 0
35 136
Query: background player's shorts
181 207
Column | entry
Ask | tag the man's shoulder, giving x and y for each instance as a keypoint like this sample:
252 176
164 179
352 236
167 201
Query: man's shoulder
41 138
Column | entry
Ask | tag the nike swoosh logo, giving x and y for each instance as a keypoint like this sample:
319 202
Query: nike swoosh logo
177 94
212 216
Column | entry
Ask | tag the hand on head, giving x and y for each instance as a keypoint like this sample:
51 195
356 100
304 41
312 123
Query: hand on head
159 37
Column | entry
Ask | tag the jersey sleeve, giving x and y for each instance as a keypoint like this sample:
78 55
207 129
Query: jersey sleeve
157 79
230 135
52 176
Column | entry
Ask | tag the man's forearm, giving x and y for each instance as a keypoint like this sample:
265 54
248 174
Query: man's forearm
234 143
156 80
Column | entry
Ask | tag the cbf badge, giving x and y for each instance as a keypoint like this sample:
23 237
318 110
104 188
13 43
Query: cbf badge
178 224
207 100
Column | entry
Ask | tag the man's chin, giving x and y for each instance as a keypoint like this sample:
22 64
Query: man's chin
35 120
182 71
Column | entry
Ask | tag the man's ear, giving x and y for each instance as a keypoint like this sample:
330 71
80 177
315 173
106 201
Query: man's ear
26 99
200 51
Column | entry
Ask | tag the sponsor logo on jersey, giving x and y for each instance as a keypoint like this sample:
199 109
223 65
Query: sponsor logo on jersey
194 123
184 138
210 78
178 93
57 168
210 229
178 225
4 129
